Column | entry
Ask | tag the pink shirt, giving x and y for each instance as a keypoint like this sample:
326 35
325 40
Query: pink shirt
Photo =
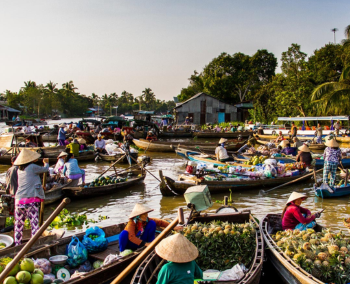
293 216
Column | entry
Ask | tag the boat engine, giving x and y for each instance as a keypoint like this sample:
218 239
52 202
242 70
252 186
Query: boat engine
198 199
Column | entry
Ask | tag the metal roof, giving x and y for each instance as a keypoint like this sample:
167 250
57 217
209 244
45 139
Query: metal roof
309 118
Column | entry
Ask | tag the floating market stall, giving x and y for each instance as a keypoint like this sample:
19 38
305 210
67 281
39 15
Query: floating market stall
225 240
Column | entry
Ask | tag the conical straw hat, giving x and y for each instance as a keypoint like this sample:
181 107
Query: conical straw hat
284 143
81 141
295 196
304 148
177 248
332 143
139 209
222 140
62 125
62 154
26 156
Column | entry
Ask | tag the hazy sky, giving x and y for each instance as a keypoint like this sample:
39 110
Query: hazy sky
111 46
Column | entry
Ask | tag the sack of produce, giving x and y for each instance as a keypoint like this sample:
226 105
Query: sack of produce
85 267
110 259
95 240
43 264
77 253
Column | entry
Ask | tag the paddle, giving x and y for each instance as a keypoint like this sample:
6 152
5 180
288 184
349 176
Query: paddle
122 157
262 192
148 146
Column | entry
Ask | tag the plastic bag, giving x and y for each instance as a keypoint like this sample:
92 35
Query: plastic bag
235 273
85 267
98 243
43 264
49 276
110 258
77 253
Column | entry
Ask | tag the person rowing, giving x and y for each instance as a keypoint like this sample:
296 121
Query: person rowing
332 157
140 230
296 217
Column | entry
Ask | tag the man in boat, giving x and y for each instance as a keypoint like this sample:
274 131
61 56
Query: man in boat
297 143
293 131
74 147
12 178
61 137
151 136
331 157
318 134
100 145
221 152
337 127
180 254
140 230
304 155
296 217
280 137
27 129
233 128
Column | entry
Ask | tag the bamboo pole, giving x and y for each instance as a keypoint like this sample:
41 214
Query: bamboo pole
31 242
111 166
136 262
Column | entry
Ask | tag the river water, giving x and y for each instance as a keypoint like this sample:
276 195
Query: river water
117 206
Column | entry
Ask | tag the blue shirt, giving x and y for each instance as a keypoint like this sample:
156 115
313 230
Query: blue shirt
61 134
179 273
289 151
71 168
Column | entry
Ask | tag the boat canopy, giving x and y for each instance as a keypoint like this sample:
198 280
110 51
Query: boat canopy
313 118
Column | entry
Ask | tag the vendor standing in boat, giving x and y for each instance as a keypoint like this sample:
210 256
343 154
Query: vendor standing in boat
293 214
331 157
60 162
180 254
304 155
318 134
100 145
221 152
30 192
140 230
293 131
61 135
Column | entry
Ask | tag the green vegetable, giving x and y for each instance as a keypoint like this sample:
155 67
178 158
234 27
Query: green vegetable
126 252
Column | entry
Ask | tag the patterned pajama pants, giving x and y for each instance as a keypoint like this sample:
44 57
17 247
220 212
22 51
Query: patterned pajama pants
23 211
329 168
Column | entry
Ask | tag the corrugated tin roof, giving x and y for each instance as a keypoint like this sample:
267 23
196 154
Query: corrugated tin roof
198 95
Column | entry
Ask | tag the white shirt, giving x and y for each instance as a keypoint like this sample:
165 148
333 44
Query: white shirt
100 144
59 164
221 152
27 129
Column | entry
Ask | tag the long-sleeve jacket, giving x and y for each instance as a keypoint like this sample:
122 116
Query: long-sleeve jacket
132 229
71 168
61 134
293 216
12 180
304 157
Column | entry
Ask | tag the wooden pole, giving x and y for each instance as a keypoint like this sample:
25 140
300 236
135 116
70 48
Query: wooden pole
226 200
180 213
111 166
315 176
31 242
42 203
136 262
346 177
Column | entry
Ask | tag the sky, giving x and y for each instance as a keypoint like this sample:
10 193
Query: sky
108 46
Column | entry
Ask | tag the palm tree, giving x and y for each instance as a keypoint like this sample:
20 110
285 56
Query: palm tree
333 97
334 30
69 86
148 96
346 42
51 91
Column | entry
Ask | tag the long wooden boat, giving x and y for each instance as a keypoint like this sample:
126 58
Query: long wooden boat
286 137
170 187
218 135
170 146
147 272
100 275
133 178
313 146
50 138
176 134
115 157
289 271
55 194
345 139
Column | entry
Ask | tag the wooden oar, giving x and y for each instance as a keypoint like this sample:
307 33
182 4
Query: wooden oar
261 192
136 262
42 203
111 166
32 240
147 170
148 146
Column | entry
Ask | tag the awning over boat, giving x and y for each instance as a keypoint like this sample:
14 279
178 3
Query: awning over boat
314 118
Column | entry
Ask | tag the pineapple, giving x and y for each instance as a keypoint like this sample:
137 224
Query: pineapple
347 261
310 255
307 246
332 249
322 256
344 249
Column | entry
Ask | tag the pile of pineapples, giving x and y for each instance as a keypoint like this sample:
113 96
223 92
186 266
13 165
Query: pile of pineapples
323 254
222 245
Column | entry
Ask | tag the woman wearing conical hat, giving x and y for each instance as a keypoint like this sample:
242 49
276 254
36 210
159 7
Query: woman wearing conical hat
60 162
180 254
304 155
61 137
293 214
331 157
29 193
221 152
140 230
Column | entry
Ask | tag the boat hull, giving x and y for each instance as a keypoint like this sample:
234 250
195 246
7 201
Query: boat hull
338 192
244 134
175 134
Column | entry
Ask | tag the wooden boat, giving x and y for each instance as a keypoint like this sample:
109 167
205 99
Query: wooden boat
50 138
176 134
170 187
115 157
337 191
286 137
165 146
100 275
289 271
345 139
147 272
218 135
312 146
133 177
54 194
320 163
